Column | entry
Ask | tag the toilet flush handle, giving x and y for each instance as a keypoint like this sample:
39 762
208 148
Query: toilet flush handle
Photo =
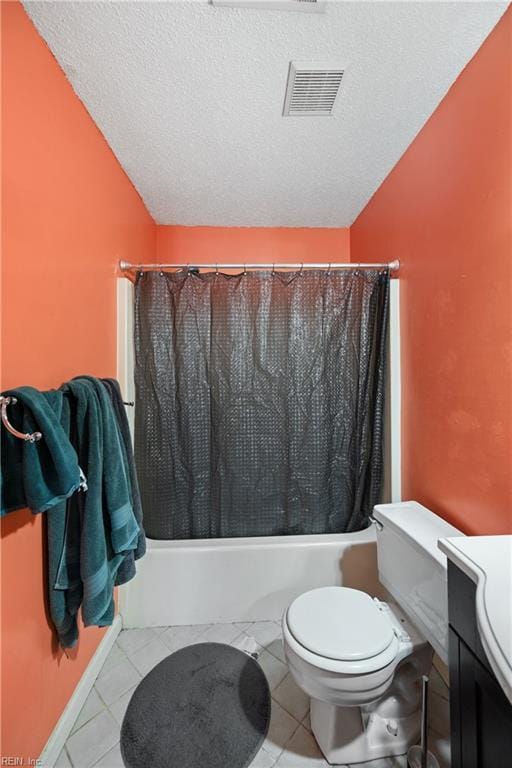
377 523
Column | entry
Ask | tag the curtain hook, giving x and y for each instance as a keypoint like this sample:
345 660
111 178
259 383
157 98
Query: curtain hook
301 268
245 270
329 269
216 269
273 269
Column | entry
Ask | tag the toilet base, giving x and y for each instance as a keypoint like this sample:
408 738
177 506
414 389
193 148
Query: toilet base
357 734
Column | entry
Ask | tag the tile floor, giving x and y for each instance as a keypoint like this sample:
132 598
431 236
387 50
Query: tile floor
94 740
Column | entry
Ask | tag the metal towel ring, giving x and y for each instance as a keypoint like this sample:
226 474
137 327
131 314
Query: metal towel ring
28 437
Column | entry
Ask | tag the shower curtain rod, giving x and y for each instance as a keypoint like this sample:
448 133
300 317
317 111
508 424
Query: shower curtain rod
125 266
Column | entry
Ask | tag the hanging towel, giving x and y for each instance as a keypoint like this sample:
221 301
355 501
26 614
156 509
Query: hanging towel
37 475
63 540
127 568
101 526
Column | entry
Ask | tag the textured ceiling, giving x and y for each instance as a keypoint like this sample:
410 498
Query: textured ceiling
190 99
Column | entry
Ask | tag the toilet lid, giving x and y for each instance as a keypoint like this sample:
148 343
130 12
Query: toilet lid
339 623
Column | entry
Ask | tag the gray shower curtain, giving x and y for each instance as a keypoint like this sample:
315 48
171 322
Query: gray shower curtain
259 401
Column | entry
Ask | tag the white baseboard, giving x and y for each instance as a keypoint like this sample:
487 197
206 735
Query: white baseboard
66 721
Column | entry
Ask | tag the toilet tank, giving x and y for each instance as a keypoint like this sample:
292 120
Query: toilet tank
413 569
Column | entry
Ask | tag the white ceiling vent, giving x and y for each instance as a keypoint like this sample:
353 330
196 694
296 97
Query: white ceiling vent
311 89
306 6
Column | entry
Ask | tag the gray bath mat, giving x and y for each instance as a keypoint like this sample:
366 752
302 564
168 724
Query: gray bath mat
205 706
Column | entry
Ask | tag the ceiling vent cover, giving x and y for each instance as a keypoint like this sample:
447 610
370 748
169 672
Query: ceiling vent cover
306 6
312 89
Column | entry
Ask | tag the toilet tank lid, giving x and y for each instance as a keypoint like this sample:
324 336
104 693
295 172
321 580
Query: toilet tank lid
422 527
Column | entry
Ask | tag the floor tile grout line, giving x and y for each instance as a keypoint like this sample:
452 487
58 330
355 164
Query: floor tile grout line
100 757
107 706
65 749
151 629
130 662
287 741
171 626
126 658
106 753
299 722
116 665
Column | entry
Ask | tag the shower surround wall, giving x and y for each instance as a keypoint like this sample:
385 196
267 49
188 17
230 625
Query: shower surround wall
445 212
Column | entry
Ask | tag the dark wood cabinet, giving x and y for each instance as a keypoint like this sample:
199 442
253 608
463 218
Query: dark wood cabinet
481 715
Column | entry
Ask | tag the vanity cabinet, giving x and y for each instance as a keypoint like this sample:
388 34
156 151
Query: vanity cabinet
481 714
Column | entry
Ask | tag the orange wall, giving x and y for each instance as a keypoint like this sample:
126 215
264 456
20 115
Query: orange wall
69 213
445 212
251 244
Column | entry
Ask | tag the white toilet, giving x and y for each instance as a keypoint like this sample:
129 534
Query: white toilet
361 660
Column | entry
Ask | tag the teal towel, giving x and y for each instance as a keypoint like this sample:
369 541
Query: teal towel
127 569
100 526
37 475
61 536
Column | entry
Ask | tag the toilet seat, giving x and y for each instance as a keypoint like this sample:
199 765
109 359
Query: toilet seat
309 619
340 623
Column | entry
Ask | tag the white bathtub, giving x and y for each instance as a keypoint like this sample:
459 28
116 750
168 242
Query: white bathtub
224 580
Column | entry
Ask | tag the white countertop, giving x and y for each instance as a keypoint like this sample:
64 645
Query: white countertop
487 561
